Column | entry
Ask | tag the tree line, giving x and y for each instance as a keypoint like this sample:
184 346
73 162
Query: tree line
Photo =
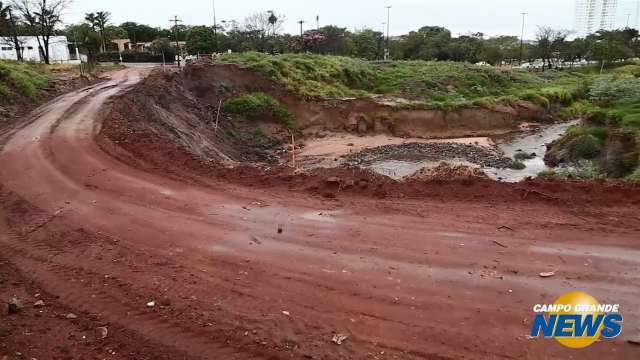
263 32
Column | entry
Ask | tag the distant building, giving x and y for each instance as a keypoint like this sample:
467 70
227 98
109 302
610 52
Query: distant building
594 15
58 49
126 44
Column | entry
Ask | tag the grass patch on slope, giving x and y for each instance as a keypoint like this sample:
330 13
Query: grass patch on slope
259 104
21 80
428 84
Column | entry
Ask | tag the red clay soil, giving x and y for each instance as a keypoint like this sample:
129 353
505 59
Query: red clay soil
247 264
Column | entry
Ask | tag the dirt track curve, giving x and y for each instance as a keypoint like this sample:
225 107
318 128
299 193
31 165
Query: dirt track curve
403 279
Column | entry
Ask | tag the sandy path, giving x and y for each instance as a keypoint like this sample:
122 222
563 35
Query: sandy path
403 279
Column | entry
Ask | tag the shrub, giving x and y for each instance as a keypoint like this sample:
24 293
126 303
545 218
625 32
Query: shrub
260 104
522 156
535 98
635 176
144 57
518 165
485 102
632 120
611 88
585 170
110 56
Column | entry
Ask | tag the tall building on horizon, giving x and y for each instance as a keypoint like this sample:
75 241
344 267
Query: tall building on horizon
594 15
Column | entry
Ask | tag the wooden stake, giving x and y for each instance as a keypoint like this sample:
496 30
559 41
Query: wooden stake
293 152
218 115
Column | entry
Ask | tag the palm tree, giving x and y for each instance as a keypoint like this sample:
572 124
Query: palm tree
98 22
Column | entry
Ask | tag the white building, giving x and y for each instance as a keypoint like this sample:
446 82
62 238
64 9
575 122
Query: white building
594 15
58 49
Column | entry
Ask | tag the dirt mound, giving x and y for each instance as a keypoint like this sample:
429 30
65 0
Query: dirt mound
160 110
448 171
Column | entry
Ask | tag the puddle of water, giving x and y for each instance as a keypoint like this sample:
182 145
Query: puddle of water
530 142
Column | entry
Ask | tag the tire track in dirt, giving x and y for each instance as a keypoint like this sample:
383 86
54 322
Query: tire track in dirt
38 261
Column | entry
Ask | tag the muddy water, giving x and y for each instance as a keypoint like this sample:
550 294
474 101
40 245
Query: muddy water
532 143
529 142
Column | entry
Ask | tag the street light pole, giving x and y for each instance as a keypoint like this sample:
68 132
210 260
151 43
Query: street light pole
386 51
301 32
522 38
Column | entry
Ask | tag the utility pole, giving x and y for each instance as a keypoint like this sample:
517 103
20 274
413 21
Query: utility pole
318 22
386 51
175 21
522 38
215 27
628 18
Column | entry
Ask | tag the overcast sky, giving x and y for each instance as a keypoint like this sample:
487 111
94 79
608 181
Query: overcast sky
493 17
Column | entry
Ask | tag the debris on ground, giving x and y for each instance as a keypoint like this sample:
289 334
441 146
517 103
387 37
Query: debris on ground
256 240
102 332
71 316
500 244
151 304
447 171
339 338
14 306
280 228
547 274
39 303
286 313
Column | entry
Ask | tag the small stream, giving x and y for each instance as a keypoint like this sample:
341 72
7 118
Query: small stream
530 142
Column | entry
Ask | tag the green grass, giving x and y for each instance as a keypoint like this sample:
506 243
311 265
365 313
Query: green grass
580 142
585 170
21 80
259 104
522 156
443 85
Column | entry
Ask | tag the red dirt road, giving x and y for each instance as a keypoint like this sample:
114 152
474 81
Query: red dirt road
402 278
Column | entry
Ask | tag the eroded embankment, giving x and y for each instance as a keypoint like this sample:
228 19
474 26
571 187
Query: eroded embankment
163 128
211 83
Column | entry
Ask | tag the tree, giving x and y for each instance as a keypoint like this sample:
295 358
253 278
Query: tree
98 22
9 30
368 44
549 43
466 48
141 33
263 22
337 41
42 17
86 38
501 49
608 46
428 43
201 40
163 47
